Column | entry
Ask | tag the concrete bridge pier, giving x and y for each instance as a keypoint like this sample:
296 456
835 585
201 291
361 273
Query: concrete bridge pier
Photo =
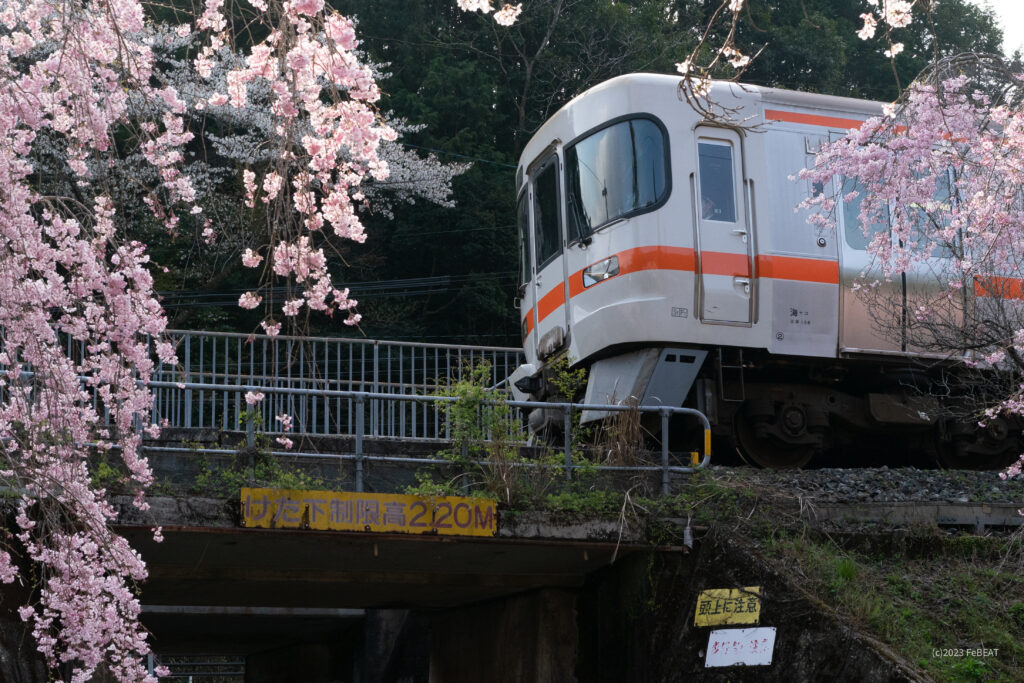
531 637
310 662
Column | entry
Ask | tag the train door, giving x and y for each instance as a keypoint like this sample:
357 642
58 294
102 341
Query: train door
928 309
871 303
724 240
880 313
549 278
527 295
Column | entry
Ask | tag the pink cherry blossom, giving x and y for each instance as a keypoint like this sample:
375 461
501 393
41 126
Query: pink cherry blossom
250 259
942 173
81 76
249 300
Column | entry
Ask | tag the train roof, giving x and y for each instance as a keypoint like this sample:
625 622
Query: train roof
755 94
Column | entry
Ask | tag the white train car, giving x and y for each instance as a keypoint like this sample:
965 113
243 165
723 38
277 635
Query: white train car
664 252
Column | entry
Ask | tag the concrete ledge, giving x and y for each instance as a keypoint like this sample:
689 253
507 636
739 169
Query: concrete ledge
222 513
170 511
544 525
976 515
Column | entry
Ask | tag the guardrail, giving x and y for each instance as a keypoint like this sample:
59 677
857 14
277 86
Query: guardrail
362 425
349 387
218 361
319 365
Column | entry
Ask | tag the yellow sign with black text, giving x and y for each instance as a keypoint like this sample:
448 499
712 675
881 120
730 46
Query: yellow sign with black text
722 606
380 512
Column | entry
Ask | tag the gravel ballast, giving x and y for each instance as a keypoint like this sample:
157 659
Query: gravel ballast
881 484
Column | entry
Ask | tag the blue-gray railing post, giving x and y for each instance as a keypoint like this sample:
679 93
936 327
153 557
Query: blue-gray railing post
360 413
664 451
568 442
375 408
250 428
188 379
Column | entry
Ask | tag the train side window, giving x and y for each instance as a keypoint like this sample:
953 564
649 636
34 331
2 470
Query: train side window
615 172
717 195
937 216
523 224
547 238
852 230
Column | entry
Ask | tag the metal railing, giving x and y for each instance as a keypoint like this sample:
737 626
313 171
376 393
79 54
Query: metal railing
197 391
352 387
363 423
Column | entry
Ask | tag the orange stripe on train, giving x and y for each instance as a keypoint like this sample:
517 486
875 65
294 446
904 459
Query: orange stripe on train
812 119
999 287
723 263
529 322
711 262
550 302
801 269
642 258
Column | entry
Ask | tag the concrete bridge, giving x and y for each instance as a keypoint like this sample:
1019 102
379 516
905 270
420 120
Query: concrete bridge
541 598
308 605
324 606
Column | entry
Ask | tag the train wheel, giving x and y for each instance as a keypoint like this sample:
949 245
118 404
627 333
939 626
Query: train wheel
770 437
966 446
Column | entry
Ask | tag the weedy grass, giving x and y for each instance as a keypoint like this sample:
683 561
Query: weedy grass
957 615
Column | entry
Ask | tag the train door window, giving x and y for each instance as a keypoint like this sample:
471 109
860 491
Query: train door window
546 234
934 217
523 225
617 171
854 233
717 194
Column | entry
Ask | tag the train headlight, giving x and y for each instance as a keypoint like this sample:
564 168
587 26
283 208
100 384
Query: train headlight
601 271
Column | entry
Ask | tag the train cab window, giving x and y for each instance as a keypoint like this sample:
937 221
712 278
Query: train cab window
523 225
615 172
717 195
853 232
547 239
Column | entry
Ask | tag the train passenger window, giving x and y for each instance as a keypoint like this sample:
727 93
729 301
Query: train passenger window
615 172
717 196
933 216
547 240
523 224
854 233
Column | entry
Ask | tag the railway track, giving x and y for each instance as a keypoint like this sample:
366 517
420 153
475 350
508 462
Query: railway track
972 501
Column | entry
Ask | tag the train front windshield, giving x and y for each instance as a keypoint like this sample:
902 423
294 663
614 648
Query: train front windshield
615 172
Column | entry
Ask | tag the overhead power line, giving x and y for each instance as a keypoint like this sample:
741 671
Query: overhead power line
422 286
457 155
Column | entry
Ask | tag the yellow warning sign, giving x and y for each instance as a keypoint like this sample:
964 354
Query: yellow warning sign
347 511
719 606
